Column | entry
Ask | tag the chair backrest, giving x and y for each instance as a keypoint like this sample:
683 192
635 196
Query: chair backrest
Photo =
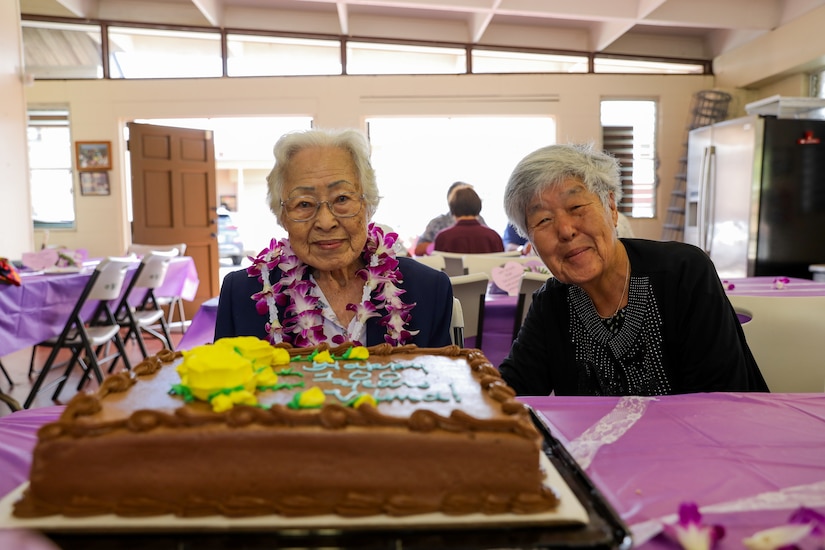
144 249
108 279
453 265
155 266
471 291
786 335
435 261
457 324
485 263
530 282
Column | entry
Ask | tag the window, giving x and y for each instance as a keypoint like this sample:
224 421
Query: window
249 55
628 133
154 53
50 165
382 58
416 160
494 61
62 50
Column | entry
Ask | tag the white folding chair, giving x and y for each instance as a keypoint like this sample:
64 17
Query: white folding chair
142 318
453 265
172 303
530 282
435 261
471 291
785 335
457 324
92 336
485 263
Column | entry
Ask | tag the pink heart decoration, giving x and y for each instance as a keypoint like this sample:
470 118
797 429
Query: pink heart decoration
508 277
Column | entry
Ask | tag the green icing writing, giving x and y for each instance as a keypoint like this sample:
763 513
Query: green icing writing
289 371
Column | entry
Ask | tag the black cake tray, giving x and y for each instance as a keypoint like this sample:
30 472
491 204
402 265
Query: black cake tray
604 529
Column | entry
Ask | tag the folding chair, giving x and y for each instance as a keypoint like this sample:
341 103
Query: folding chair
435 261
142 318
471 291
104 286
172 303
530 282
4 397
457 324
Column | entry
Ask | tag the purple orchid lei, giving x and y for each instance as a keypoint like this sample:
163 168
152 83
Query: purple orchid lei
303 323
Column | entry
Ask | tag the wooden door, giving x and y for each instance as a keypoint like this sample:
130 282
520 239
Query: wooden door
174 197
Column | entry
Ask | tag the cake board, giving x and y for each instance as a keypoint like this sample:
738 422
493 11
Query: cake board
584 520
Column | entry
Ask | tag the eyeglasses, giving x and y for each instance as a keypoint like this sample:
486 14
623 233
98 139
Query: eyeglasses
305 207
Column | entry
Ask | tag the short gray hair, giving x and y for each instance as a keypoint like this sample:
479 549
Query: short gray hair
349 140
550 166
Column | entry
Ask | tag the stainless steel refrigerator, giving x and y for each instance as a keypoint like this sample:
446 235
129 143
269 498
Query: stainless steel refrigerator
756 195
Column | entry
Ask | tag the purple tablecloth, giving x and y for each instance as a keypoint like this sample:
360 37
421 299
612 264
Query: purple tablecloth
202 328
748 460
38 308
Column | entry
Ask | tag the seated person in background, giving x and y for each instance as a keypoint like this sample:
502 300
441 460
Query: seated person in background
467 236
438 223
512 240
621 316
335 278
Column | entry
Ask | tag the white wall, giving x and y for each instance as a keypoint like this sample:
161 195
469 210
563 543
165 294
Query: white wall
99 109
16 235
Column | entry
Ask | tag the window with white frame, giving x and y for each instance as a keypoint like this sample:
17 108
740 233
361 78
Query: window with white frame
50 167
628 133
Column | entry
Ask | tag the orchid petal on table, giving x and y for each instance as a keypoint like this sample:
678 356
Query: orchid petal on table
802 523
691 533
780 282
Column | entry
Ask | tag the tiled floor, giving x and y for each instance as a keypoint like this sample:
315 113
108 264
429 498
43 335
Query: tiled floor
17 365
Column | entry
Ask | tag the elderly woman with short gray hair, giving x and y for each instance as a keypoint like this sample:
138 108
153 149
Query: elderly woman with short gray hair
620 316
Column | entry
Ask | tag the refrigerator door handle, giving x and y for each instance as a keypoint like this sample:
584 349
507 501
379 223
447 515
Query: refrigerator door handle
704 183
710 203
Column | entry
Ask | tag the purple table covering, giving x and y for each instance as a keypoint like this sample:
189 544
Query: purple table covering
202 328
38 308
748 460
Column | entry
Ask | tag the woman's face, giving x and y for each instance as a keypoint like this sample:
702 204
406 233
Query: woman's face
572 232
325 242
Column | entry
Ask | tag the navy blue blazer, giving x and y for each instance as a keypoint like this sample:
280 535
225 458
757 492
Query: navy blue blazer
428 288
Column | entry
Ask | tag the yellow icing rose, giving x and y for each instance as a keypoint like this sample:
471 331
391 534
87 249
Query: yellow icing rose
323 357
256 350
311 398
359 352
364 398
209 369
223 402
280 356
266 377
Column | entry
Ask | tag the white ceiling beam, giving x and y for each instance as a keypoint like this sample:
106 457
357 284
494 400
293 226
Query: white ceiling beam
479 21
82 8
343 17
212 10
604 34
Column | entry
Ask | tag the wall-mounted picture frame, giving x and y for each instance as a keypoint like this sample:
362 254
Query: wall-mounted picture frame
94 183
94 155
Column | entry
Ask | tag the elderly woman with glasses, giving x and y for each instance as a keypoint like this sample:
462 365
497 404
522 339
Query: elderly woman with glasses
620 316
335 278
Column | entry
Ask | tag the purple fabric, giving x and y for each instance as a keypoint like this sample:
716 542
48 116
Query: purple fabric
202 329
38 308
710 449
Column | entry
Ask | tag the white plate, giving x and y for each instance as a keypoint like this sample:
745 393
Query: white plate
569 512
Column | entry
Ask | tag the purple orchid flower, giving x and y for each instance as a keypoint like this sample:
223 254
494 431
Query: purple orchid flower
802 523
691 533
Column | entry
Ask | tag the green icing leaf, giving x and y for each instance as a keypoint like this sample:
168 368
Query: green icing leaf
183 391
289 372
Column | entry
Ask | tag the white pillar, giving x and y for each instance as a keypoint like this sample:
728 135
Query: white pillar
16 233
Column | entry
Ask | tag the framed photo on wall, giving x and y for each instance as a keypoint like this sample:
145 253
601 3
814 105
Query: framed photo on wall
94 183
94 155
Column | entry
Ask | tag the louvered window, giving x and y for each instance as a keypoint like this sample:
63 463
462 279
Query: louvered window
627 134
